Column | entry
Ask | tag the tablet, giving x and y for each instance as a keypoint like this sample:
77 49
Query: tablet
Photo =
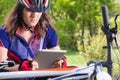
46 58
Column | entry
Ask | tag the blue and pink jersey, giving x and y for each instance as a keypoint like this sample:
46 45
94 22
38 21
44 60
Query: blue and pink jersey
19 49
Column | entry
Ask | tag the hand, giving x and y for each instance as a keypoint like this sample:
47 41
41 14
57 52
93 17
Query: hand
28 64
58 64
34 64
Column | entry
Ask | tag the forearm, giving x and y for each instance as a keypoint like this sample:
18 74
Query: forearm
14 68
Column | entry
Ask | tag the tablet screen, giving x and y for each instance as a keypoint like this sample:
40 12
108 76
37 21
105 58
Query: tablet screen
46 58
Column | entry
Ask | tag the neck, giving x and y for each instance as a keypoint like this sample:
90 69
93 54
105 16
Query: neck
25 34
28 28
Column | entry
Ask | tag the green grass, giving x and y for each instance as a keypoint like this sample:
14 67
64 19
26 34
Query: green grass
75 59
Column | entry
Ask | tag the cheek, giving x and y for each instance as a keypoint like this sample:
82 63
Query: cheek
39 15
25 18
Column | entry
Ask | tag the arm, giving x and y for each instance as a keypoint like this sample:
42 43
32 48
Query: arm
3 54
3 57
22 66
53 44
55 48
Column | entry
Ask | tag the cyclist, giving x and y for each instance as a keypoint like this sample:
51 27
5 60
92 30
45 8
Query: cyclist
27 29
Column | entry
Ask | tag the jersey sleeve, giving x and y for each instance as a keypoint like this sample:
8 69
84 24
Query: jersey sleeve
51 38
4 39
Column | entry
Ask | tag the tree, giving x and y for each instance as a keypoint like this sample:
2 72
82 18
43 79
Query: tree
77 19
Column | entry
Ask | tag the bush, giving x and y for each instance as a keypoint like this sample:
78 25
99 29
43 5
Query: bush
93 47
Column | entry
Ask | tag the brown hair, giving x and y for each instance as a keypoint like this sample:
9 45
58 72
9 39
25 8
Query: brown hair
15 20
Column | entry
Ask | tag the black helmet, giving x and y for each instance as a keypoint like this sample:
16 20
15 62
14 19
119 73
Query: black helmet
35 5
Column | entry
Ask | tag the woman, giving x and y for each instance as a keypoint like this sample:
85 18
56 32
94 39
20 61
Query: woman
27 29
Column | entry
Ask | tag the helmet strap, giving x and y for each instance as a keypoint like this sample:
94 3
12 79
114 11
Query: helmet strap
28 28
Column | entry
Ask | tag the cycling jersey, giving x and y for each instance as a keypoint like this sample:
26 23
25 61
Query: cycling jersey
19 49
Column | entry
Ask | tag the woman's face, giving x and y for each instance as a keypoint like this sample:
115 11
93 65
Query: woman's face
31 18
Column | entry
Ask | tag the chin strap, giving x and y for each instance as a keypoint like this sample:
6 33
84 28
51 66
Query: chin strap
28 28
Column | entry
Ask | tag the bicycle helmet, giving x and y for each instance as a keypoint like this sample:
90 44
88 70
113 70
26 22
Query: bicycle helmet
35 5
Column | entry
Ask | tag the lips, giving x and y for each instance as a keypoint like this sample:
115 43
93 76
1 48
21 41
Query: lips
33 20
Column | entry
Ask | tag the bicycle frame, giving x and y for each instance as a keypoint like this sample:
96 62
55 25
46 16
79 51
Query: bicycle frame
92 72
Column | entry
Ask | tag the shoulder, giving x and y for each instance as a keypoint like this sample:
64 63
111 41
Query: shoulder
50 30
51 38
3 32
51 33
4 37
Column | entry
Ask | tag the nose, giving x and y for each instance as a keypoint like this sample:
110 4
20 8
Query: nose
34 14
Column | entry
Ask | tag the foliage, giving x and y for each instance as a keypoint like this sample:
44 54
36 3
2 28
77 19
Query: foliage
116 11
5 6
63 23
85 16
66 33
94 50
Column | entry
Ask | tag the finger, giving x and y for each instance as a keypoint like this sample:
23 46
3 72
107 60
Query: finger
30 59
35 65
57 64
